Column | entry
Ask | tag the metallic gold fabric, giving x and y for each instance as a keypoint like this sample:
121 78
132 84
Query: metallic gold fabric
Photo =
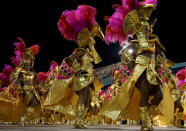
95 102
95 55
118 104
80 116
61 98
145 118
184 106
176 94
166 106
160 121
126 103
57 91
86 59
28 75
84 80
84 37
97 31
151 73
30 93
15 74
11 108
130 22
97 86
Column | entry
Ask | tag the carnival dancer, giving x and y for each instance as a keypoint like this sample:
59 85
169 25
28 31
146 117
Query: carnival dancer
132 19
25 78
76 72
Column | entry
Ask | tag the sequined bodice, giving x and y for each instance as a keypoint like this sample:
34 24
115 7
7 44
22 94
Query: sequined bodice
27 75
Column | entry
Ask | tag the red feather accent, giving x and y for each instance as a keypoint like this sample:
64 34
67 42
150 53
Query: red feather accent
106 18
35 49
42 76
20 47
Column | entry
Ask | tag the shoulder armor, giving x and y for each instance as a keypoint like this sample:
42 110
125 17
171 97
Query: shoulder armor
131 21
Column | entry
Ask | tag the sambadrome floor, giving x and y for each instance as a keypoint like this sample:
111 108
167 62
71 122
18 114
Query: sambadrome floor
91 128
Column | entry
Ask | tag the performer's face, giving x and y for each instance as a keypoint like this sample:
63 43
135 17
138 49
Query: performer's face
27 66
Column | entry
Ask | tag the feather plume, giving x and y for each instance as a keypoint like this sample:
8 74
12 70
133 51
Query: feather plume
114 30
72 22
149 2
35 49
5 74
42 76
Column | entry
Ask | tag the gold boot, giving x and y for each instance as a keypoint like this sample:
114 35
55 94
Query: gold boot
80 115
152 113
145 119
152 110
179 120
25 118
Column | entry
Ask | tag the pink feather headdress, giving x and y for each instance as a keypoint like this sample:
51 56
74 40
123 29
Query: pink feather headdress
149 2
72 22
114 30
20 50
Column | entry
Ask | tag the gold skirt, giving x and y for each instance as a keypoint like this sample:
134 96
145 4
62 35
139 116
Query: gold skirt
61 97
126 103
11 108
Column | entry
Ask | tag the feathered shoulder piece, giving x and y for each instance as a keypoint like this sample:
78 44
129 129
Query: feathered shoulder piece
73 21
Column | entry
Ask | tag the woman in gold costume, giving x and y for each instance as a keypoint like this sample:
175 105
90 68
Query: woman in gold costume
76 76
22 93
142 102
25 78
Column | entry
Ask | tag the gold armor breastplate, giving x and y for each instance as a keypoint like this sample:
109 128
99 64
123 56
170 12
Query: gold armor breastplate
27 75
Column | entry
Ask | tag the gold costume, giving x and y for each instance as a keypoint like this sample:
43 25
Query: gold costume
74 76
21 97
11 104
61 96
16 98
126 103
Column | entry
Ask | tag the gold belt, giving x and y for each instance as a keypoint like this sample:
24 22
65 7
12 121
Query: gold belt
144 60
28 87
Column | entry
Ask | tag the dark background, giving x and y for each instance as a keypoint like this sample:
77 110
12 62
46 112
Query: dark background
37 24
